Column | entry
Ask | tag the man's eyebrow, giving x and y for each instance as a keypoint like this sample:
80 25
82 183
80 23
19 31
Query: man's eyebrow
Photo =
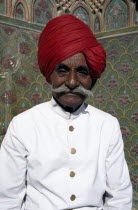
62 66
83 68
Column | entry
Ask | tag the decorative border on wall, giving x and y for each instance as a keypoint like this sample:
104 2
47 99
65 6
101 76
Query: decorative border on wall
31 26
94 9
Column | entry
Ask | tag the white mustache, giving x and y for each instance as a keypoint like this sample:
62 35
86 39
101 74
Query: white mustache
80 90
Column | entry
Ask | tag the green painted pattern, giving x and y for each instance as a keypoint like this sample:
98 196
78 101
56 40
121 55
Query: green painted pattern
20 13
116 15
82 14
43 12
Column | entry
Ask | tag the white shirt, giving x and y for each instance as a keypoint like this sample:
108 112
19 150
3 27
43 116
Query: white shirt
36 159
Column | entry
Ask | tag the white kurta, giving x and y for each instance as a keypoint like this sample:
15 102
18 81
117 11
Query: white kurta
63 161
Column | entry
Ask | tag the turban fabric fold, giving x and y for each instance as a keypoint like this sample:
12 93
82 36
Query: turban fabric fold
65 36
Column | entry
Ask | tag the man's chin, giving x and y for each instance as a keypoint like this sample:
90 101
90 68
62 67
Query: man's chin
71 99
70 102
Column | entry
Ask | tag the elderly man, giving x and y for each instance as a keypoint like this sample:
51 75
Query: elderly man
65 154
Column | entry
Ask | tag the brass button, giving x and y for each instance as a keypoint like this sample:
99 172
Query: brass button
72 174
73 151
71 128
72 197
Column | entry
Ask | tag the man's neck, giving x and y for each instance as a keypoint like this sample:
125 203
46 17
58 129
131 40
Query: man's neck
67 108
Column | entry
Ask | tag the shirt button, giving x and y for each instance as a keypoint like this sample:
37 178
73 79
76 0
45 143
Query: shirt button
72 197
73 151
72 174
71 128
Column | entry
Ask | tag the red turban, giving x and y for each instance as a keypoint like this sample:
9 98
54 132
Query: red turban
65 36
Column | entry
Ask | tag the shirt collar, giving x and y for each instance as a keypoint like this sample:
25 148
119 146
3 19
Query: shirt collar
67 115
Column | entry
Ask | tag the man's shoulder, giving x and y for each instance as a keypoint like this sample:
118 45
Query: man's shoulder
101 115
34 112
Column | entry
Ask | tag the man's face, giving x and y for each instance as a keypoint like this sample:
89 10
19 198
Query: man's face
67 77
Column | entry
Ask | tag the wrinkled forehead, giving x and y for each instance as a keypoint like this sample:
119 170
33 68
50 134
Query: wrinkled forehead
75 60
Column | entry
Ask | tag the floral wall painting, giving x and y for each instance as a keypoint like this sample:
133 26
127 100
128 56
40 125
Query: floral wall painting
116 15
136 17
20 12
97 25
43 11
2 6
82 14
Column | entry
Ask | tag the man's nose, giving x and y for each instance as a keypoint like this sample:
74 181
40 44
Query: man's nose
72 80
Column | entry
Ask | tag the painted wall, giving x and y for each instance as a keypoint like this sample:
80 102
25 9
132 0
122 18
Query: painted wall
115 23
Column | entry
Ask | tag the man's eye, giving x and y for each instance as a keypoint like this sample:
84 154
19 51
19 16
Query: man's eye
62 72
83 73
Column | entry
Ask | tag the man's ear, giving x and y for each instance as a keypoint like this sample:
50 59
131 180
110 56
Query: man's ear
93 83
50 81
